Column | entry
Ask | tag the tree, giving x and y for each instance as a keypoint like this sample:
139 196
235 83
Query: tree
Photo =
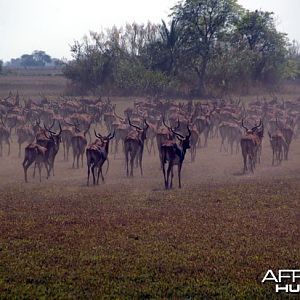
1 66
116 59
38 58
265 46
208 45
92 64
27 61
202 23
292 69
41 58
171 43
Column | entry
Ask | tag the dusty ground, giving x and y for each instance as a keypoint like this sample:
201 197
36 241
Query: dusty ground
129 238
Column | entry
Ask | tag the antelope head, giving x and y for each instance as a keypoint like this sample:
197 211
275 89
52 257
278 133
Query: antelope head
252 130
171 130
141 131
55 136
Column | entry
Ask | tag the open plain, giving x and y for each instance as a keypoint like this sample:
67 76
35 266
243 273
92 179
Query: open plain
131 239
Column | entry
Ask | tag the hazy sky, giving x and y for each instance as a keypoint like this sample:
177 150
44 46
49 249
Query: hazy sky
52 25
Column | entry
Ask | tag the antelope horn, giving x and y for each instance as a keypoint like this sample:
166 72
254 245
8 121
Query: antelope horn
134 125
147 125
51 132
244 125
255 127
99 136
52 125
189 131
166 124
113 135
178 134
178 124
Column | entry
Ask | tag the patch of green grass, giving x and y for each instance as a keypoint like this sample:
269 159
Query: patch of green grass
203 242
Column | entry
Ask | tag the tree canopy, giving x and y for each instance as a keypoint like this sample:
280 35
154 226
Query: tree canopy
37 58
207 46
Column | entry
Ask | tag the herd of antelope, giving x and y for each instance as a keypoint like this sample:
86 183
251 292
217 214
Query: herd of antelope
170 127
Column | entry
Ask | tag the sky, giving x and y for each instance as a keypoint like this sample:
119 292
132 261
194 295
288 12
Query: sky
53 25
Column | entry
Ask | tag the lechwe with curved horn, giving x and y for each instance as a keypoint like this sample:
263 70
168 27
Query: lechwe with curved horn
134 146
250 145
97 154
165 134
174 154
53 146
42 152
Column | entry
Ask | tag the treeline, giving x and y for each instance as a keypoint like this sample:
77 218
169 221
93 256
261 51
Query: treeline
208 47
37 59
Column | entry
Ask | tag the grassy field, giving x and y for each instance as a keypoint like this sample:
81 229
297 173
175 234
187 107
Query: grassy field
205 242
130 239
32 85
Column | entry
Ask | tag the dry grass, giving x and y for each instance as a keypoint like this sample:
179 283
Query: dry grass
32 86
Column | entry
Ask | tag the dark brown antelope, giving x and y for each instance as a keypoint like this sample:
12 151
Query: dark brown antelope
250 143
53 146
37 154
134 146
174 154
97 154
50 140
41 134
165 134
